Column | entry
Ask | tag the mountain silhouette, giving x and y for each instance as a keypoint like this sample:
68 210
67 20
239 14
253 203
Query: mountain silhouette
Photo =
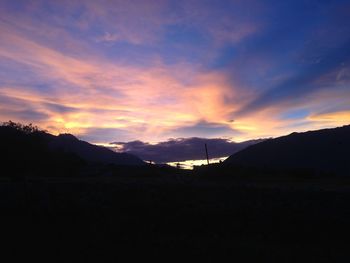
325 151
92 153
27 150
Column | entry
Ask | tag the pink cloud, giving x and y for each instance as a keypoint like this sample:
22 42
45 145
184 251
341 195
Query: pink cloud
88 90
145 101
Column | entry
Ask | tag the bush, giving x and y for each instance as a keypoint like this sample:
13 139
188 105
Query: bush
27 129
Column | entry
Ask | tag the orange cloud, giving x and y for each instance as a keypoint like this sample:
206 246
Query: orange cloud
86 90
332 118
147 102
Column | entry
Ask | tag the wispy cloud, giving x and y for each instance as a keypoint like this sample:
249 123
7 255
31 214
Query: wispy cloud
151 70
108 37
141 100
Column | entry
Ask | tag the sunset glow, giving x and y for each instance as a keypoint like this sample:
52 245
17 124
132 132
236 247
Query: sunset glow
152 70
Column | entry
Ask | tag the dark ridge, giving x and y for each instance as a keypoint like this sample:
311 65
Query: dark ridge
92 153
321 151
30 151
67 137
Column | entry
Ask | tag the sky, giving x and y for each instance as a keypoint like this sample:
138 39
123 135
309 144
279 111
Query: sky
123 71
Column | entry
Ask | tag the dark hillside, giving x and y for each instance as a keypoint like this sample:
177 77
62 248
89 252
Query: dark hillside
325 151
26 150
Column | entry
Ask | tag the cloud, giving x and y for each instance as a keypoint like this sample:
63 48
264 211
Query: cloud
12 108
151 70
59 108
146 101
181 149
108 37
23 115
305 82
206 129
331 117
224 26
97 135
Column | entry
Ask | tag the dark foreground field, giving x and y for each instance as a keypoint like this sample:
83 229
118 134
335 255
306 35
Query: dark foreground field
104 218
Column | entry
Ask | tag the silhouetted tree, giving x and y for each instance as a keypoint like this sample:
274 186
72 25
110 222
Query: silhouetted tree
27 129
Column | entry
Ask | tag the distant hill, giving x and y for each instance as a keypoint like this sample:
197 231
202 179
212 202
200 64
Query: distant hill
90 152
27 149
326 150
183 149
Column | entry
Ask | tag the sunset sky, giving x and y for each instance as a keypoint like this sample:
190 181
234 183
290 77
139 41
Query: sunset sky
149 70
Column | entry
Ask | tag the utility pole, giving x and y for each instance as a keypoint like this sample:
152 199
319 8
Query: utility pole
206 152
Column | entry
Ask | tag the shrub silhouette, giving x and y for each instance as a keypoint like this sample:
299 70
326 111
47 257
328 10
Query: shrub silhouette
27 129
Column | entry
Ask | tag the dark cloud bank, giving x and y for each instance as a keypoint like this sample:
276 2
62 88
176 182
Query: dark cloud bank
182 149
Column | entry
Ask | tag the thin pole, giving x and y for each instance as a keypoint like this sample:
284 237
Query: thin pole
206 152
